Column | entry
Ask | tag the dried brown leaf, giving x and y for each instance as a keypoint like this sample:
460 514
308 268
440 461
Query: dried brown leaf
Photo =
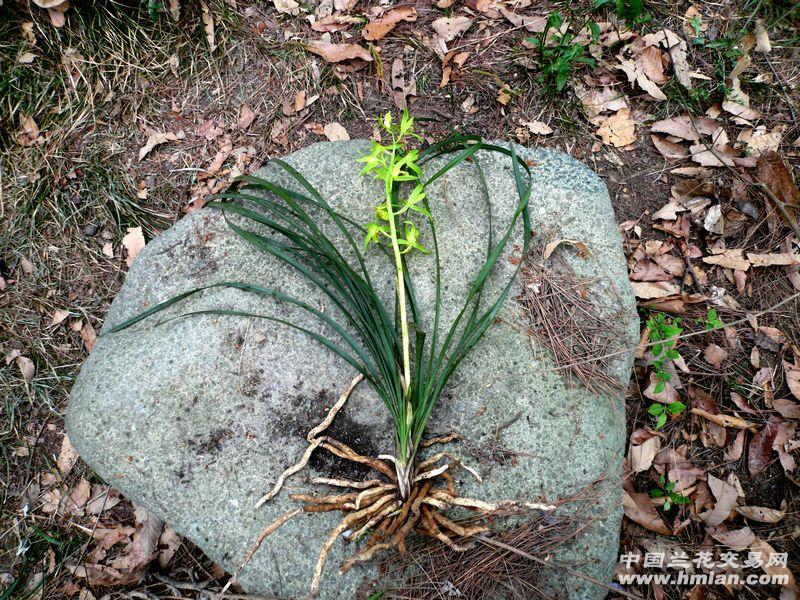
335 132
449 28
156 139
639 508
669 150
735 450
651 290
287 7
730 259
786 408
726 494
760 449
618 130
133 242
771 260
339 52
378 28
761 513
208 26
739 539
246 117
67 456
772 171
641 455
724 420
168 545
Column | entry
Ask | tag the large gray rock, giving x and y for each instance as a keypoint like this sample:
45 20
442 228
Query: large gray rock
196 418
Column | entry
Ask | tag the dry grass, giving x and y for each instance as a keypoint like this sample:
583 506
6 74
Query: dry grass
561 313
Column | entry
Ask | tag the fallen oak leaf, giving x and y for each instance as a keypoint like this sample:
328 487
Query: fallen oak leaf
534 24
596 102
740 110
734 452
784 443
103 498
143 548
618 130
246 117
168 545
685 127
26 367
724 420
774 175
677 51
778 570
88 335
647 290
334 23
786 408
669 150
537 127
793 377
641 455
59 316
287 7
715 355
762 37
26 58
67 456
635 74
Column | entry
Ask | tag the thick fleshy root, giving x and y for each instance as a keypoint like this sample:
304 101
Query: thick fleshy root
384 512
375 508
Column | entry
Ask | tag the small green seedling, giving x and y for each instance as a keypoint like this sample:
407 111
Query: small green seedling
667 491
559 61
696 23
661 412
663 333
632 11
711 321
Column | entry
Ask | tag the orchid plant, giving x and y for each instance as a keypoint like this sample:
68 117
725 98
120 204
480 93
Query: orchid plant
407 366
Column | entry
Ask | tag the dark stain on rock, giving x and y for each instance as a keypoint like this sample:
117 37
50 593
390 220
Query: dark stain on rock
298 414
358 436
211 443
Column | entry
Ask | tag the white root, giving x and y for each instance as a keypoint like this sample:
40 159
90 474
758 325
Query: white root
356 535
538 506
339 530
346 483
432 473
289 472
313 440
437 457
380 489
442 439
266 532
326 422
